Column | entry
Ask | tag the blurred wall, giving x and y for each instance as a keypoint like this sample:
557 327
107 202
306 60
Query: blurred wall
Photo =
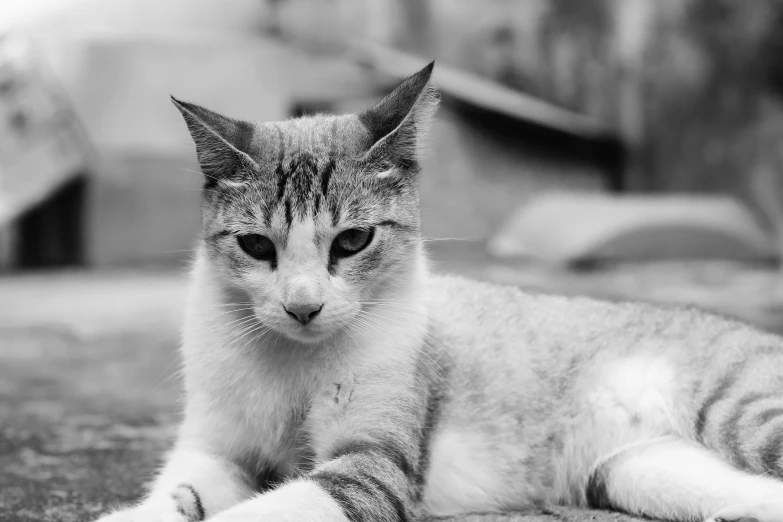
684 81
119 61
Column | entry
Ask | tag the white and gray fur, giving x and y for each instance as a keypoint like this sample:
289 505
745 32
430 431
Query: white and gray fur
412 394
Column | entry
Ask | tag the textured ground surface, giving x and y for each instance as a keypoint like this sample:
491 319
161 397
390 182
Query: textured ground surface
88 388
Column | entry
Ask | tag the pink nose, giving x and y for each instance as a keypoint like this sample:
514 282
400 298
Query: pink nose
304 313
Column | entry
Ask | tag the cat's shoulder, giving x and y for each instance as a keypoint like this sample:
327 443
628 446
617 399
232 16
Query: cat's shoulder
461 296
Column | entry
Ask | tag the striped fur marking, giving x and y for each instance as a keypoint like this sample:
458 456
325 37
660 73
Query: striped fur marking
303 185
289 219
720 392
430 422
391 497
387 449
771 454
326 176
280 171
731 427
596 491
189 503
770 414
337 489
359 497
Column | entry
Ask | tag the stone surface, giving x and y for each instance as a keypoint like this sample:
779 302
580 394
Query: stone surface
88 390
84 421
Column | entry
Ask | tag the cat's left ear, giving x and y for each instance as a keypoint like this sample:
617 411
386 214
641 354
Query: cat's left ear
398 125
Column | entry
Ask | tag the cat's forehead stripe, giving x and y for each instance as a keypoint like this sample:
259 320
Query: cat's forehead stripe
307 170
280 149
305 160
280 172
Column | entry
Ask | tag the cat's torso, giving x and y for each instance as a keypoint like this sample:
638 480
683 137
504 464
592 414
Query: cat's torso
530 390
541 387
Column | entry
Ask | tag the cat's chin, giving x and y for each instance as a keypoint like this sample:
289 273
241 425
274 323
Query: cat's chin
306 336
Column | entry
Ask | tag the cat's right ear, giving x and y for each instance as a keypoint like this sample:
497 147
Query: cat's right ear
221 142
398 125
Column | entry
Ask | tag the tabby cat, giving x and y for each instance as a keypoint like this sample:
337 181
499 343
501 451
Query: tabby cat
331 377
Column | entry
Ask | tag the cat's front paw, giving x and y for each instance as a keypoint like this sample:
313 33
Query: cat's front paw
750 513
183 505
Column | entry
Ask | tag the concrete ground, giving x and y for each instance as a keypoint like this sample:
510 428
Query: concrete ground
88 387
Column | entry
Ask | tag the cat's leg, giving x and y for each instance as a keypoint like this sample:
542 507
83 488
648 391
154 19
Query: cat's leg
673 479
192 486
366 439
364 482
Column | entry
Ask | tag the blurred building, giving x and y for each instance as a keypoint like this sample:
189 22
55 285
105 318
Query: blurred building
687 86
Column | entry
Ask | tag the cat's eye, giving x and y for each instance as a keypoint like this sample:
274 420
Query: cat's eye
257 246
351 241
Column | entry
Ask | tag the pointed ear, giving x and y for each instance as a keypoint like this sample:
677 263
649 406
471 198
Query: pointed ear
222 144
398 125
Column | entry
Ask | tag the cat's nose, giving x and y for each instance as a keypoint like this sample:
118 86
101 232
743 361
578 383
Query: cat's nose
304 313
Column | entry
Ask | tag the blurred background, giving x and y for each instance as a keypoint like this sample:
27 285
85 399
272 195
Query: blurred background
627 149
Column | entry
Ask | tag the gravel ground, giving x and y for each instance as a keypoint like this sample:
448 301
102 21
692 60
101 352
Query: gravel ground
88 387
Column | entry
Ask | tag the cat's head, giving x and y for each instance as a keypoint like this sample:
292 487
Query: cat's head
313 218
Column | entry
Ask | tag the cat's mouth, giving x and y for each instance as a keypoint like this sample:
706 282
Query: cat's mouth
316 331
307 334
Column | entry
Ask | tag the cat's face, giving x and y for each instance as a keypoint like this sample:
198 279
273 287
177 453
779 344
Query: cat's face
311 220
315 232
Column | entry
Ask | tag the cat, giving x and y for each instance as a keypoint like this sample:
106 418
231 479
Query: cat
329 376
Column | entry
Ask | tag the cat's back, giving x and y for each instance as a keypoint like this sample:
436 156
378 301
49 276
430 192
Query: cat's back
465 310
479 320
502 342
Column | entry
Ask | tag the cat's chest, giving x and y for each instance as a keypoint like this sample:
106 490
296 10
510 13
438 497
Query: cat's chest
261 408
